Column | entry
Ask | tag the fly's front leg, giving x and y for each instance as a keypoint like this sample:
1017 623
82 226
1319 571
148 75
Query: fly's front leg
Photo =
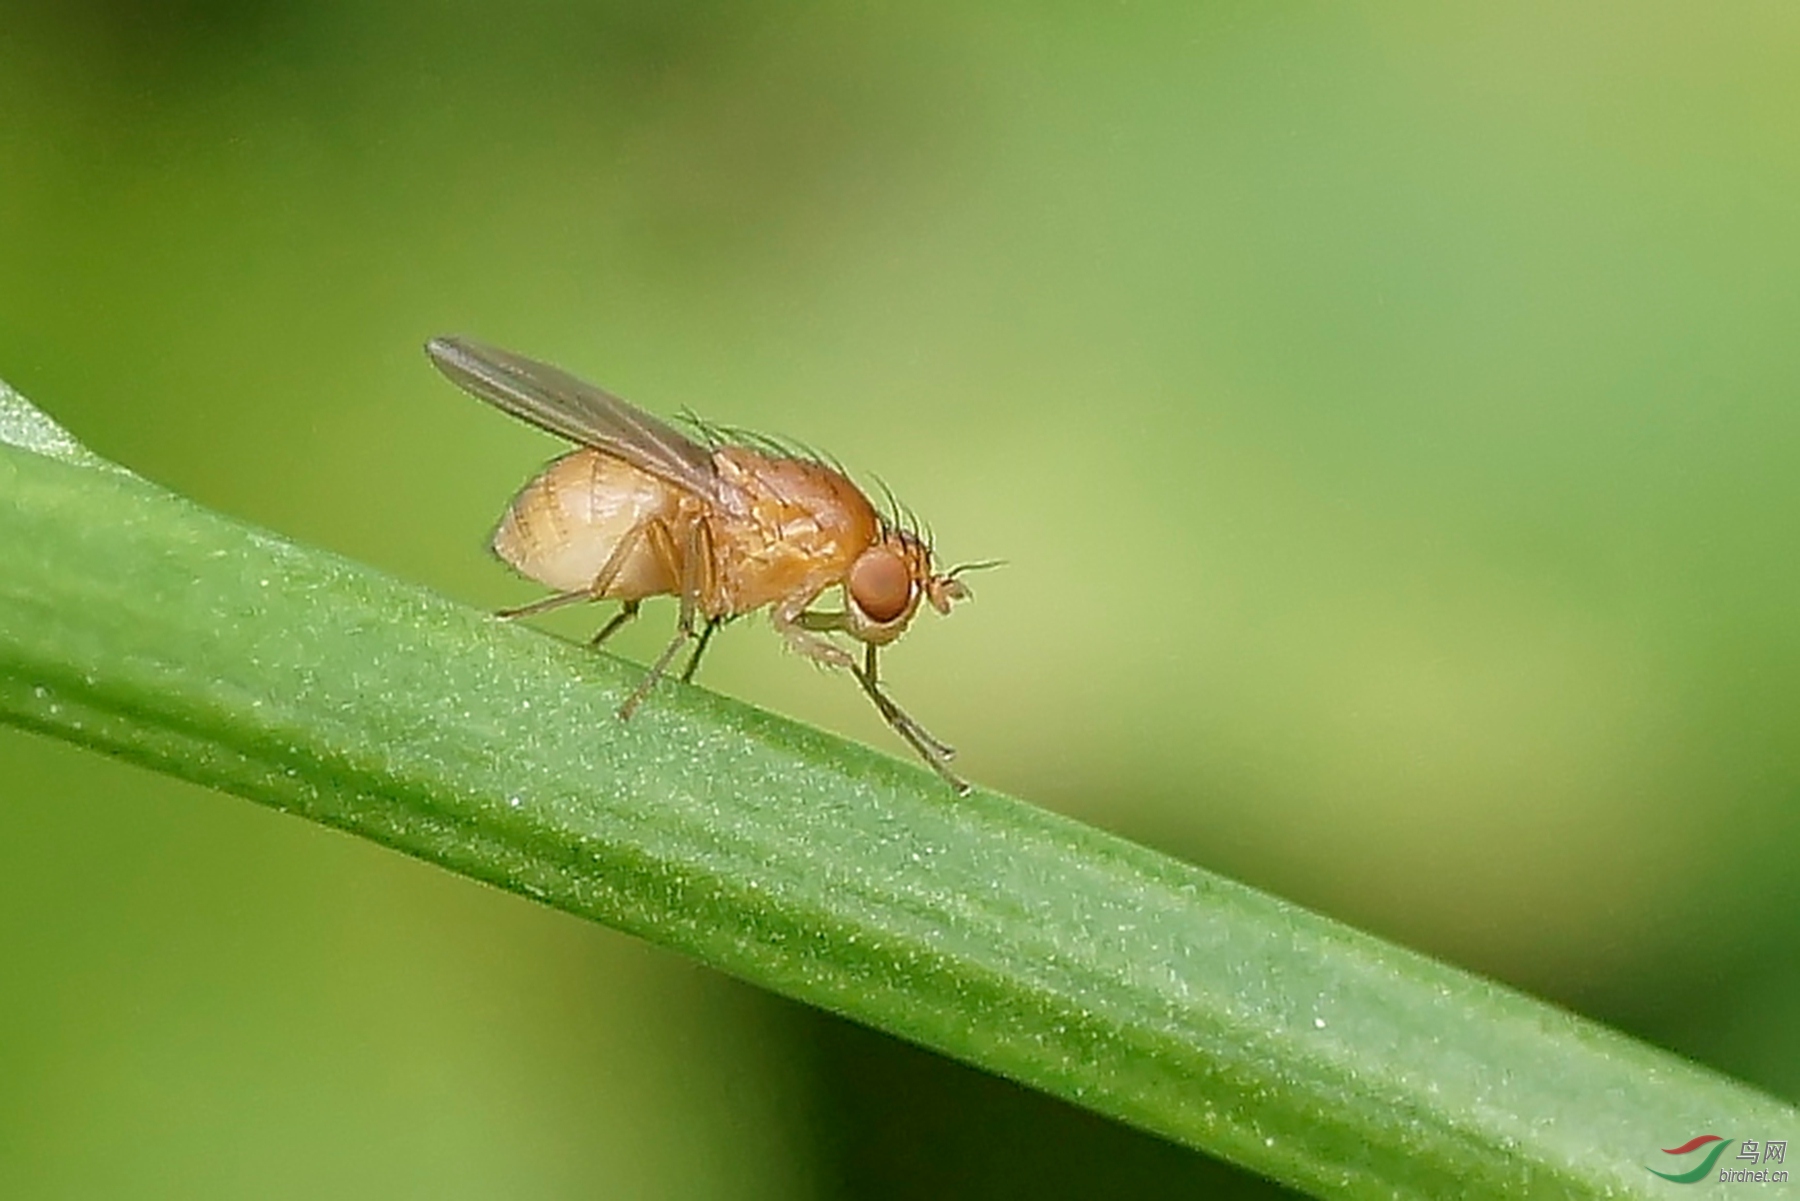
936 751
685 564
795 624
828 621
898 717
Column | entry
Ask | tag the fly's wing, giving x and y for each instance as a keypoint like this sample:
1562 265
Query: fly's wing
554 400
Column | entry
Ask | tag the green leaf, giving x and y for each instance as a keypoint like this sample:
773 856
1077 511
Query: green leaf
139 624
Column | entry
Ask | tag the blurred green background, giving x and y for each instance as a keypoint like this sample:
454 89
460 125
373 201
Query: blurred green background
1389 415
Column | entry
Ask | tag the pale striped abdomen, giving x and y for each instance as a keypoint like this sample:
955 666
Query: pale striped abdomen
563 526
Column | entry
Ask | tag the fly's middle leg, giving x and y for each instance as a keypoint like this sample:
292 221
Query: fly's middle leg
693 663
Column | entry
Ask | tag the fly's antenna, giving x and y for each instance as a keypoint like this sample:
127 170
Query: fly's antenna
980 565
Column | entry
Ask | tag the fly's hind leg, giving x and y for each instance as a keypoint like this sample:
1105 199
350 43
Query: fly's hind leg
556 601
609 574
687 568
609 571
627 611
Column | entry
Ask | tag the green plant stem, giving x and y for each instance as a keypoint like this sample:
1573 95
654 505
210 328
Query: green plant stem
136 623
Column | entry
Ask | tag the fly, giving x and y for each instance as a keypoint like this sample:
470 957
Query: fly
727 526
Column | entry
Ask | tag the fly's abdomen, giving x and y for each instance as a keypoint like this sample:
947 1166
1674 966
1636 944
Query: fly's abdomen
565 525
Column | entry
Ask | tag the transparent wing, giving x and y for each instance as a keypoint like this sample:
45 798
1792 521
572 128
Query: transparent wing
554 400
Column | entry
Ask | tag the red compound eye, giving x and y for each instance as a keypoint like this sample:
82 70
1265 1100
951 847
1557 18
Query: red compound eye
880 585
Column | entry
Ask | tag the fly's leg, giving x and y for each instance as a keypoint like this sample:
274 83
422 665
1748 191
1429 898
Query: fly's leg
609 571
795 624
929 748
803 629
689 573
544 606
870 679
626 612
654 674
896 716
693 663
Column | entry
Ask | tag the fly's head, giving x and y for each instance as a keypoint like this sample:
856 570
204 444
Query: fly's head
887 582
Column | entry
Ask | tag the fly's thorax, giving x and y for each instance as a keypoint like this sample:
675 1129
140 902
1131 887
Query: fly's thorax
564 526
782 526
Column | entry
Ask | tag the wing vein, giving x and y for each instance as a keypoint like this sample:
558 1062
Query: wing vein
553 400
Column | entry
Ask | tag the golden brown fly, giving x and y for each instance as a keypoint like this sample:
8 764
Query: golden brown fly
728 525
